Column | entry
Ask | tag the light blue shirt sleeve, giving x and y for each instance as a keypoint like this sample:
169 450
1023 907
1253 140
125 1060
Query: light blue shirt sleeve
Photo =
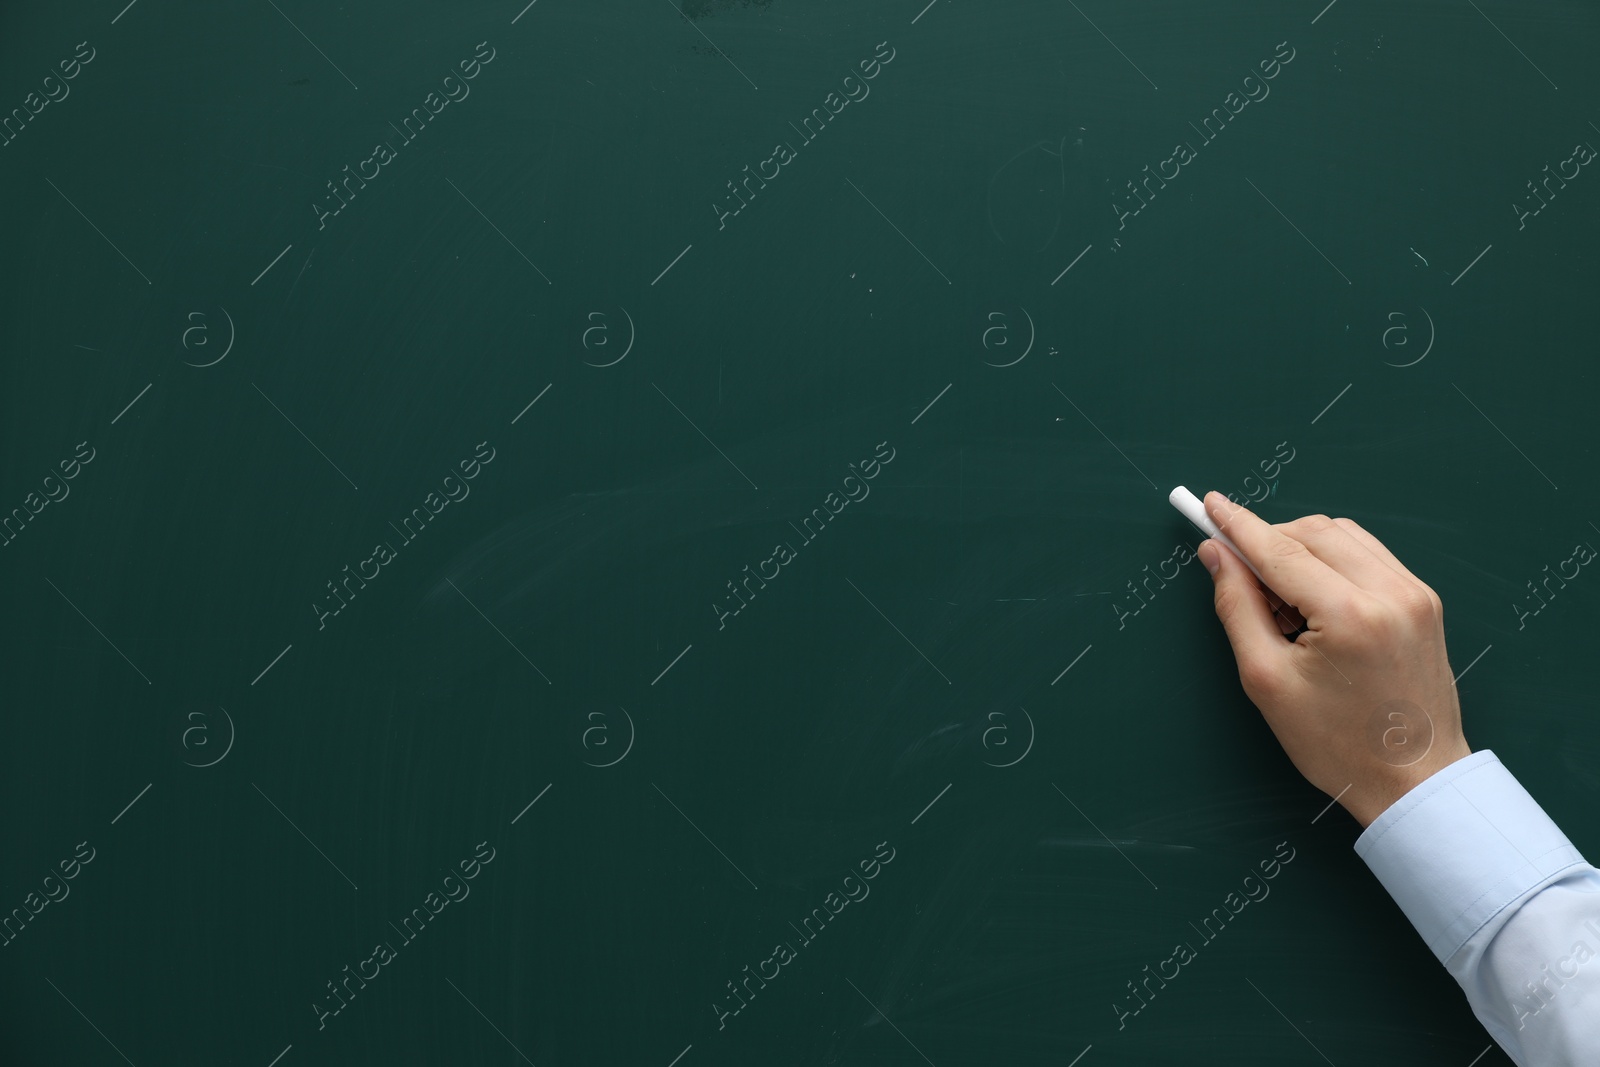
1505 902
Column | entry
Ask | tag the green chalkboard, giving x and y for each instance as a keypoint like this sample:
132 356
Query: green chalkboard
636 533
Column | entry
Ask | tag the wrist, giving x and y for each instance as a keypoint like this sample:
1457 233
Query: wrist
1381 787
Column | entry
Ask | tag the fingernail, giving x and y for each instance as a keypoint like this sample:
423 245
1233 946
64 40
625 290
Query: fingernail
1210 556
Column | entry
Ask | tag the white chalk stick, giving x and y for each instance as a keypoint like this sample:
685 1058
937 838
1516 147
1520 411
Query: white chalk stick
1195 511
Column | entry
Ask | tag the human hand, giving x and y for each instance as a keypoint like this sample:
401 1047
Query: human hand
1362 700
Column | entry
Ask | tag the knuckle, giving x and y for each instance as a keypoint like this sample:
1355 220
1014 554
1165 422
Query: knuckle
1367 614
1256 676
1418 603
1318 524
1286 549
1226 602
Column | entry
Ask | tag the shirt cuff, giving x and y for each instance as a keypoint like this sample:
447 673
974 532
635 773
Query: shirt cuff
1460 847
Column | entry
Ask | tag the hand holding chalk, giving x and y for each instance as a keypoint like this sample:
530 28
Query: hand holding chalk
1195 512
1364 703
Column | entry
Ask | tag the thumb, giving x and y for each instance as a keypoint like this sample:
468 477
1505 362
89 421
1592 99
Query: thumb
1243 609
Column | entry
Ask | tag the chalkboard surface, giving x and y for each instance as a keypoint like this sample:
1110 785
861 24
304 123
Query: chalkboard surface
636 533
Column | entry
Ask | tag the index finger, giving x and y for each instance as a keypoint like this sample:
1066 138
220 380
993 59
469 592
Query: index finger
1287 565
